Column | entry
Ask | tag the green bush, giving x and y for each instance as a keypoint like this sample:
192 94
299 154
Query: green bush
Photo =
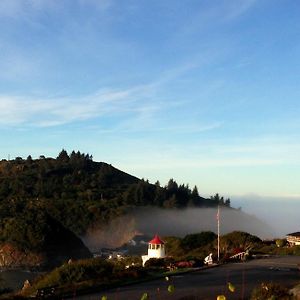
156 263
197 261
88 273
198 240
78 271
239 240
281 242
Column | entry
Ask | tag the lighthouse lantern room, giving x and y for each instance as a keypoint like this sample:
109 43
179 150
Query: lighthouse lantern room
156 249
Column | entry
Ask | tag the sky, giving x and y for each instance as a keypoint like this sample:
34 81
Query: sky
205 92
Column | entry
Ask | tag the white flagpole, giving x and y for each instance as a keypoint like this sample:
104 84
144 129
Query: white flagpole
218 219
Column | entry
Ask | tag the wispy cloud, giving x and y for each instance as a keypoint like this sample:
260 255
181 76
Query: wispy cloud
139 102
58 111
136 115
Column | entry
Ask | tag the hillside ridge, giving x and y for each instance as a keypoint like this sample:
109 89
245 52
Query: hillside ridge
78 194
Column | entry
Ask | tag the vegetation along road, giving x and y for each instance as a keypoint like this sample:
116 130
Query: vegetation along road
208 283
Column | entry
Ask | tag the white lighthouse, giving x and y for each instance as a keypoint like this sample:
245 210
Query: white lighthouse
156 249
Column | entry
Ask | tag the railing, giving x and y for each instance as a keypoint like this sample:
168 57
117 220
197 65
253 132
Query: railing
46 292
240 255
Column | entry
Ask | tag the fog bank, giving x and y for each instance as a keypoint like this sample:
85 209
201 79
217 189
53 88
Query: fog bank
283 214
192 220
174 222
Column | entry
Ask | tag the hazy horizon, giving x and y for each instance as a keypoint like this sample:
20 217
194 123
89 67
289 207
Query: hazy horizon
281 213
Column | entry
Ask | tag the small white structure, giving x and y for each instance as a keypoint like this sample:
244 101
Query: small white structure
208 260
293 238
156 249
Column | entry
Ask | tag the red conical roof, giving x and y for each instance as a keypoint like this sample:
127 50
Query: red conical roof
156 240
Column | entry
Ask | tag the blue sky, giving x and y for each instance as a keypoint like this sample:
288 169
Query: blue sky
206 92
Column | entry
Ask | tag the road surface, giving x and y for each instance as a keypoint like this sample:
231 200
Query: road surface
208 283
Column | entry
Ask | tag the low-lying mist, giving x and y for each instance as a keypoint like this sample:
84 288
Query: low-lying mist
281 213
174 222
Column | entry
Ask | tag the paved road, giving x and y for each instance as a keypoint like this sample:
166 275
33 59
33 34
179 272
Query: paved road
208 283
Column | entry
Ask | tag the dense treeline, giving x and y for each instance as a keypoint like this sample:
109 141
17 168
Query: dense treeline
81 193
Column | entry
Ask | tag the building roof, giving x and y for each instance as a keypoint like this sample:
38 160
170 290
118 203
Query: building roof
297 234
156 240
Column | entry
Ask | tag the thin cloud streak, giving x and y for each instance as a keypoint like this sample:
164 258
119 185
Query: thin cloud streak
44 112
58 111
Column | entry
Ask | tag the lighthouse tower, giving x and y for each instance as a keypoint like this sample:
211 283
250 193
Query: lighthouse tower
156 249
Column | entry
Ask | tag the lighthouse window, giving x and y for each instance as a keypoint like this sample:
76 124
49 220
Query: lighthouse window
153 246
149 246
157 246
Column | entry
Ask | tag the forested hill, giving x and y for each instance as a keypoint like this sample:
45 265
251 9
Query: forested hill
67 177
81 193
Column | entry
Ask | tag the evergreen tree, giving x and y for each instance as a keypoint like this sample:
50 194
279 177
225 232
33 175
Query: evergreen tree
63 156
195 198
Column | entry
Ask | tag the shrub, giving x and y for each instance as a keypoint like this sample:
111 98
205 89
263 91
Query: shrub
239 239
85 273
280 242
197 240
76 272
271 291
156 263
